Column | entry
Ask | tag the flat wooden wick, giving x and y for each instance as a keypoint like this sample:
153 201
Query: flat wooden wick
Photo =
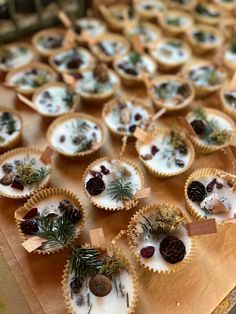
159 114
47 155
143 136
201 227
142 193
26 101
227 150
230 221
146 80
88 38
219 208
184 123
33 243
9 85
69 79
97 238
63 17
69 40
232 84
137 43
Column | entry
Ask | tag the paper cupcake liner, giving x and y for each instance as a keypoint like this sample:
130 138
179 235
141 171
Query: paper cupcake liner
127 265
53 116
69 116
203 172
15 141
80 38
207 20
112 103
131 241
103 57
113 24
171 30
42 195
29 47
185 103
175 5
228 109
132 203
231 66
39 34
29 92
205 149
162 174
99 98
26 150
51 58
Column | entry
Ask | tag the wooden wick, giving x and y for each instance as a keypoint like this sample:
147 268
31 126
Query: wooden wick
184 123
69 79
124 143
201 227
64 18
146 79
137 43
88 38
97 239
232 84
228 152
33 243
143 136
69 40
47 155
26 101
159 114
143 193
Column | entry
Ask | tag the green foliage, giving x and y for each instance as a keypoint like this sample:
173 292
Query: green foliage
120 190
135 58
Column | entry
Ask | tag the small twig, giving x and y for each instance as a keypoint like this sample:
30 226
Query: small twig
124 143
127 299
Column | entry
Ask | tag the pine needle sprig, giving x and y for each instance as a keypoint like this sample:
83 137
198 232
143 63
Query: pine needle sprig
58 231
84 261
69 98
120 190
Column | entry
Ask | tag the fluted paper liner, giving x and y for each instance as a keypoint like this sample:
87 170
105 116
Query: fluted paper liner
114 24
70 116
204 148
128 266
204 47
204 19
30 91
40 196
26 150
201 91
38 35
158 173
28 47
131 240
80 38
57 52
54 115
102 97
227 108
165 66
129 204
18 135
169 78
102 56
132 80
204 172
112 103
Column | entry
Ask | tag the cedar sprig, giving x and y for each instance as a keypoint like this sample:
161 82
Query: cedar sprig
58 231
120 190
84 261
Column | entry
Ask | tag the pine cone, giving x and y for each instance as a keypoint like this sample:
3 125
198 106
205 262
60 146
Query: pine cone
73 214
172 249
101 72
29 226
196 191
65 205
198 126
95 186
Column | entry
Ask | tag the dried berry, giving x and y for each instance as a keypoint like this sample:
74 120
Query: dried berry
146 157
100 72
132 128
29 226
74 63
76 285
74 215
210 186
219 185
198 126
137 117
62 138
100 285
7 168
95 186
179 163
154 150
95 173
147 251
131 71
104 170
65 205
121 129
172 249
196 191
31 213
183 149
6 179
230 184
17 183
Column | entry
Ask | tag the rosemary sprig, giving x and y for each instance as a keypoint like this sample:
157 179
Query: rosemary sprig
58 231
175 21
135 58
7 120
29 174
84 261
69 98
120 190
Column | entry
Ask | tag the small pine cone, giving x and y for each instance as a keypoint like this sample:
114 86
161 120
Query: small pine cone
74 215
95 186
29 226
65 205
101 72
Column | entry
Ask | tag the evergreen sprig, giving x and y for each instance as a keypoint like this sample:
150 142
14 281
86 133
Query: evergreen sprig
120 190
84 261
58 231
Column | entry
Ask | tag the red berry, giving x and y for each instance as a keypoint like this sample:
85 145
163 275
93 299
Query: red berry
31 214
104 170
154 150
147 251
